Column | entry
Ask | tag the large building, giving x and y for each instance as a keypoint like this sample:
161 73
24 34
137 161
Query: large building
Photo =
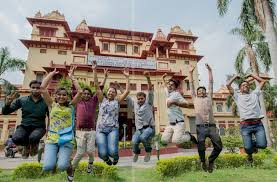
54 45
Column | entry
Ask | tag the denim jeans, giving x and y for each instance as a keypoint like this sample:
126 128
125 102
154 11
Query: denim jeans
107 142
54 152
144 136
248 132
212 133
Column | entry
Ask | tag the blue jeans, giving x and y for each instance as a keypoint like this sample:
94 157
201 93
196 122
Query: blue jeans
54 152
247 132
144 136
107 142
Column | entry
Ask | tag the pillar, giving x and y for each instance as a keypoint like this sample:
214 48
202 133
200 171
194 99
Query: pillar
157 52
74 45
86 49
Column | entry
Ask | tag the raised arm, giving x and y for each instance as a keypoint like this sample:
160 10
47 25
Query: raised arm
127 91
211 80
163 78
260 80
150 98
118 86
47 98
11 106
229 84
77 97
192 89
106 74
99 92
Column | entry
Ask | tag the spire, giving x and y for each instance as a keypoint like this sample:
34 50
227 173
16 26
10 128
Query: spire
83 27
160 35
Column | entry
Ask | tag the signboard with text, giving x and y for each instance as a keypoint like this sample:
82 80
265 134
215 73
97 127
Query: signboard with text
122 62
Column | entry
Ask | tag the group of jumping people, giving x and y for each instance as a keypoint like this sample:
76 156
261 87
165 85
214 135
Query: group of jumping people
92 118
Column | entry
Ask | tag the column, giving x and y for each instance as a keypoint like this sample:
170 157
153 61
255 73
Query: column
157 52
74 45
167 55
86 46
5 131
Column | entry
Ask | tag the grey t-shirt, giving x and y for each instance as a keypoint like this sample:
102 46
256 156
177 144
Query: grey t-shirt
174 112
248 104
144 113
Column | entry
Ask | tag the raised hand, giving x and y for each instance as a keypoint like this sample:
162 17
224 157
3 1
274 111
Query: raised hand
164 75
191 68
146 74
208 67
93 65
71 72
54 72
10 98
126 72
106 72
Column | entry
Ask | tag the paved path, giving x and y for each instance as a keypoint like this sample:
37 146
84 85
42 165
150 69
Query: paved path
8 163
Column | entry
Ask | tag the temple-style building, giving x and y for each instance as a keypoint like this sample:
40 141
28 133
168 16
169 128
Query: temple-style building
54 45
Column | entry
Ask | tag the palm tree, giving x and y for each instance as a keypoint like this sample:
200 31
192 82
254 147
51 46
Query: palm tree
8 63
257 52
270 96
262 13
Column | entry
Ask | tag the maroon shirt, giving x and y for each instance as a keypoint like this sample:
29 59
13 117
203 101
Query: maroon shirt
86 113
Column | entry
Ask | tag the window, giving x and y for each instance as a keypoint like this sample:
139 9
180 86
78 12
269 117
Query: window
47 32
43 51
105 46
186 62
187 85
221 131
192 124
144 87
183 45
39 76
133 86
172 61
219 107
136 49
120 48
62 52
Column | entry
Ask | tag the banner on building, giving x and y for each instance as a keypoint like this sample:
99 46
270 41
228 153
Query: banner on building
122 62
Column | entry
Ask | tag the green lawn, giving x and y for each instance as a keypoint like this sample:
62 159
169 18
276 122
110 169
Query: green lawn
127 174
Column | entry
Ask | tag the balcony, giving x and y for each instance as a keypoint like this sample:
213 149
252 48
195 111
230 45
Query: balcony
45 39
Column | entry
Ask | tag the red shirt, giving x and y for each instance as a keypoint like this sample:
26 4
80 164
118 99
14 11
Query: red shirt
86 113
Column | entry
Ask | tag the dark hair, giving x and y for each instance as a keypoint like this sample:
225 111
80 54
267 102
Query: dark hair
243 82
10 136
87 90
176 82
34 82
201 87
63 89
113 88
141 94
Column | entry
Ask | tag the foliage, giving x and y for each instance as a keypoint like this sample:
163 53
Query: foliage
178 165
32 170
232 139
270 96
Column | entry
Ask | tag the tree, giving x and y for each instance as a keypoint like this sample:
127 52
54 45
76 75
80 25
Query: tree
8 63
256 50
260 12
270 96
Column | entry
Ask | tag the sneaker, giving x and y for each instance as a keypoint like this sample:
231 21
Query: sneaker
210 167
255 150
109 162
135 159
147 157
204 166
250 158
25 152
33 150
115 162
192 138
89 167
70 179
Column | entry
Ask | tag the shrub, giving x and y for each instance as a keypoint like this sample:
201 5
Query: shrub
100 169
274 158
33 170
179 165
28 170
232 140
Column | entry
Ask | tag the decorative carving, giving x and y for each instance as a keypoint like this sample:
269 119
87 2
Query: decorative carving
38 14
56 15
160 35
177 29
83 27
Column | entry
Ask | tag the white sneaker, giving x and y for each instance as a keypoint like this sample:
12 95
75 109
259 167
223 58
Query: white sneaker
147 157
135 159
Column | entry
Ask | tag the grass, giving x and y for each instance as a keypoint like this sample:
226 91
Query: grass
128 174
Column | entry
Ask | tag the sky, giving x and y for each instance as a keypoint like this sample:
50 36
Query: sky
214 42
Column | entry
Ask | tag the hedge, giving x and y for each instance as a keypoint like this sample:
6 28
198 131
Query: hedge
33 170
274 158
178 165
